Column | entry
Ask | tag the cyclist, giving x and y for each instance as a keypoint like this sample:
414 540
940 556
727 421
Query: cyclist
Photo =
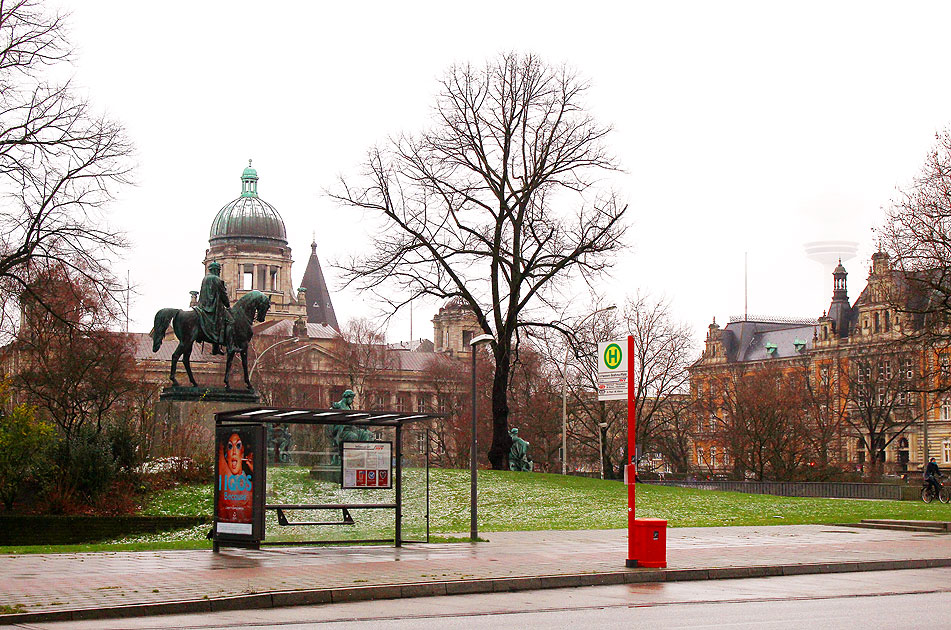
932 472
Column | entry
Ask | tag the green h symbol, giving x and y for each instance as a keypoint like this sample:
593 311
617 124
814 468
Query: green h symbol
612 356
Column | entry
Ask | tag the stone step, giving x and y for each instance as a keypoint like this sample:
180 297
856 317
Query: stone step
892 521
897 527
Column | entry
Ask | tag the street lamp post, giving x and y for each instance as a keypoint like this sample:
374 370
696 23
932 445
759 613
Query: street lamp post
265 351
564 392
473 447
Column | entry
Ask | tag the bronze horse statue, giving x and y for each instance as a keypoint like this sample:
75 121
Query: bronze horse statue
250 307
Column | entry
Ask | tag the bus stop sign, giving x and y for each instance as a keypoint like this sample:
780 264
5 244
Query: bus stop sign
612 370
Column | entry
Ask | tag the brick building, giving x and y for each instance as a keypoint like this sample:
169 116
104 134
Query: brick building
870 375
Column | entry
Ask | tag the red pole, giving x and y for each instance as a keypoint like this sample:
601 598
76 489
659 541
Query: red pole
630 467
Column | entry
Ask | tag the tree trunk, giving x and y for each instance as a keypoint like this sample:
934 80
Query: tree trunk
501 440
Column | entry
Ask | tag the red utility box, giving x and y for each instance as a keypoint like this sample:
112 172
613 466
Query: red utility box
650 543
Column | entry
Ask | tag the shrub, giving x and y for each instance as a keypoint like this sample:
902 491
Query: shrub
126 447
83 464
24 447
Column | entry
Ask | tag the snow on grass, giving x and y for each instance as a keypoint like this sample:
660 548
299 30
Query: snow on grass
510 501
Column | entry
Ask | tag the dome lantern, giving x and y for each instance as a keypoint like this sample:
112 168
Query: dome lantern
249 182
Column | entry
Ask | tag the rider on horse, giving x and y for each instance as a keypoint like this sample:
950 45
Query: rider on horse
214 317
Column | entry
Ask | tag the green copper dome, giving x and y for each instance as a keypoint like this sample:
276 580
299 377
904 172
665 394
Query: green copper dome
248 218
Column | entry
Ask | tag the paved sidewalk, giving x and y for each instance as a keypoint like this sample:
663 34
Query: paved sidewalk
96 585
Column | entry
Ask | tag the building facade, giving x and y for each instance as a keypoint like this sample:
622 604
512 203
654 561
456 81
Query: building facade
859 377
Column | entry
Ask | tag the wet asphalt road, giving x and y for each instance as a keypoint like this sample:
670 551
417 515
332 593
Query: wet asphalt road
884 599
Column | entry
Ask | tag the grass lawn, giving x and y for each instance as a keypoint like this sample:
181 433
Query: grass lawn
507 502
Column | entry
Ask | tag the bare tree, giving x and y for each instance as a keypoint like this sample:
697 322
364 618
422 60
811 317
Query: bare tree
59 164
663 348
496 203
825 408
573 348
762 425
881 386
675 436
363 357
70 365
450 435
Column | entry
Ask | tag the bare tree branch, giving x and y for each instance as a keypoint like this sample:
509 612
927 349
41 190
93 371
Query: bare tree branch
496 204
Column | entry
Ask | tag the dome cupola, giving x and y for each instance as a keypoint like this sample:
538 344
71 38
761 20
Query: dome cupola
248 219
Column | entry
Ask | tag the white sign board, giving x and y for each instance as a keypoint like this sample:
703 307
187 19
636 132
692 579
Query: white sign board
367 464
612 370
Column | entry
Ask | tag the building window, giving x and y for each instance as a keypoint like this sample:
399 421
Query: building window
887 369
421 403
401 402
421 442
466 338
946 452
946 409
699 456
888 323
713 422
908 368
713 455
824 375
875 317
864 373
443 403
247 278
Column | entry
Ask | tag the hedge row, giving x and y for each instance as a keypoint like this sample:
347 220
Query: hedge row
70 530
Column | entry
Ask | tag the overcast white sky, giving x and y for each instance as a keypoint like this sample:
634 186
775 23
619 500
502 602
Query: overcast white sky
742 126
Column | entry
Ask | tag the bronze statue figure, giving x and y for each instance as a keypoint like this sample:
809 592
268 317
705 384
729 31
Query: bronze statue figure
235 326
214 318
340 433
518 454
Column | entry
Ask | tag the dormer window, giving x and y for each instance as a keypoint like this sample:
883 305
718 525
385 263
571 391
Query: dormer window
799 345
770 349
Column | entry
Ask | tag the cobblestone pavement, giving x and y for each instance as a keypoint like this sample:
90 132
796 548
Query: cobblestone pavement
58 582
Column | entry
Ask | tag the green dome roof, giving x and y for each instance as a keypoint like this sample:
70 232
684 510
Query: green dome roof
248 218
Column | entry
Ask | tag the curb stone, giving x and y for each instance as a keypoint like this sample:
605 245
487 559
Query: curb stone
277 599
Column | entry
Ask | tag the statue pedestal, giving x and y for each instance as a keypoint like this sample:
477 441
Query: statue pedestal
185 419
211 394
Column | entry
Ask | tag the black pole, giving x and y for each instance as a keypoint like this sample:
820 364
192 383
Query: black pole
473 454
428 443
399 488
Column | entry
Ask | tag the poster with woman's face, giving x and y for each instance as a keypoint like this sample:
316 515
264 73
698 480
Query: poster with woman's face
234 483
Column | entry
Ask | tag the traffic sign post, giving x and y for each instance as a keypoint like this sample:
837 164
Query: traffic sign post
646 537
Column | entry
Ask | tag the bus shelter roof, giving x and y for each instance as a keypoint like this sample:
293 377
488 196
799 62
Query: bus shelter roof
277 415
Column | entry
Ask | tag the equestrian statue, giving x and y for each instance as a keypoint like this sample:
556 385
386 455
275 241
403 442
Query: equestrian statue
213 320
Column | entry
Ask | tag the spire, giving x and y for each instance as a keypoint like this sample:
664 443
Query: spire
249 182
313 244
839 310
320 309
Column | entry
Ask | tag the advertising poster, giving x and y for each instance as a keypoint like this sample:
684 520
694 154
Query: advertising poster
239 482
367 464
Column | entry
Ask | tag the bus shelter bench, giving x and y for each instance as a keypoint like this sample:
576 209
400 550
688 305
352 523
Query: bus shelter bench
344 507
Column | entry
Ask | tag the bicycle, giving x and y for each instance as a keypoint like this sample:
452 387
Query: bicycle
928 493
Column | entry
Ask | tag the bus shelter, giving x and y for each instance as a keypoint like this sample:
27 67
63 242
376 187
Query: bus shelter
247 441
